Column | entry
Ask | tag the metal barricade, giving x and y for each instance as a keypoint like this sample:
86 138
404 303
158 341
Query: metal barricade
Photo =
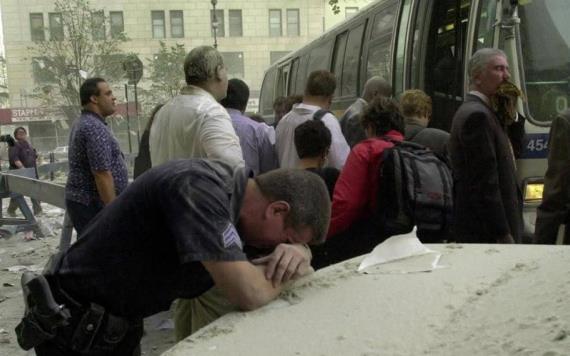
22 182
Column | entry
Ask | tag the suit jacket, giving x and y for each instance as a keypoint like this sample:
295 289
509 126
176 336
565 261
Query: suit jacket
555 206
487 199
350 123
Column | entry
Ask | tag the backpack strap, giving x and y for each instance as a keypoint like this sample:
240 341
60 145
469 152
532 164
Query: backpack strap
318 115
415 133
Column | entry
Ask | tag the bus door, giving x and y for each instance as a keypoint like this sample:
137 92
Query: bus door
437 58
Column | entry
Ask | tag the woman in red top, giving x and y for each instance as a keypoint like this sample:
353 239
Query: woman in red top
355 192
352 230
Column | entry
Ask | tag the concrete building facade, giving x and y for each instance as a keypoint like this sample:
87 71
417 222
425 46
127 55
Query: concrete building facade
250 34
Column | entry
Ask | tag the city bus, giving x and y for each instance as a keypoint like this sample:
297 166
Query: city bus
426 44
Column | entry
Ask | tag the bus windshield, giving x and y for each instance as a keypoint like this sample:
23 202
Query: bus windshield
545 44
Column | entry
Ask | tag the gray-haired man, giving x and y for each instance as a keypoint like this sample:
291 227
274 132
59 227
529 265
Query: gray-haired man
193 124
487 203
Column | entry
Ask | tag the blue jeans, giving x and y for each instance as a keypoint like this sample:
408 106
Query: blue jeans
81 214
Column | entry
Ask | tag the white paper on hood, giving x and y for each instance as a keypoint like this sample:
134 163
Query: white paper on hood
400 254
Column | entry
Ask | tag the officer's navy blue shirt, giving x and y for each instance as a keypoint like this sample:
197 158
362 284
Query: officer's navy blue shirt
92 147
144 249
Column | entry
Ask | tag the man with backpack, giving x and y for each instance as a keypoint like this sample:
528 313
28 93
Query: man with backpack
319 92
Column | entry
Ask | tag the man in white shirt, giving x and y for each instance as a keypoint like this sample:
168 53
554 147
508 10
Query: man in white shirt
193 124
318 96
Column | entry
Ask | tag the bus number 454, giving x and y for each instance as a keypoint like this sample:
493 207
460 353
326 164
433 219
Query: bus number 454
537 145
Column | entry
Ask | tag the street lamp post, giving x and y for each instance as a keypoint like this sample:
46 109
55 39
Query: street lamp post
215 23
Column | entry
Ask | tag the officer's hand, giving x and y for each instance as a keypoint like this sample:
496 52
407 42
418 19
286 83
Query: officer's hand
286 262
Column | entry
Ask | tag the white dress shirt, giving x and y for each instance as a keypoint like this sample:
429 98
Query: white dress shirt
194 125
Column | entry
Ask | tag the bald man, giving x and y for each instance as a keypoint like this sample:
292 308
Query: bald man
350 120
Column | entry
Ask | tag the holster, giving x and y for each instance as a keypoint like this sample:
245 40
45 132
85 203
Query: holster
98 331
80 328
43 316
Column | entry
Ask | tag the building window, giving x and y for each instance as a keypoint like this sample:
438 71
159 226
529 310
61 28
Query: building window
292 22
55 26
158 27
236 29
37 27
219 20
176 24
117 23
350 11
274 56
274 23
98 23
234 64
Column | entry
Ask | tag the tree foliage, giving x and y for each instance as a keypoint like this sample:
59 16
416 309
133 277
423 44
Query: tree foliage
334 6
78 45
166 73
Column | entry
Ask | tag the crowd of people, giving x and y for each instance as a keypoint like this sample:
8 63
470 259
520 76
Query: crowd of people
226 209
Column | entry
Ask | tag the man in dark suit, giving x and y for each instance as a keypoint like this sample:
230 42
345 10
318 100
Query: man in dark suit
488 203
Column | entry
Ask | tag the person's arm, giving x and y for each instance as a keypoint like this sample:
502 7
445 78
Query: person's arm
219 139
266 151
339 147
483 176
105 186
556 195
350 192
286 262
243 284
99 144
14 154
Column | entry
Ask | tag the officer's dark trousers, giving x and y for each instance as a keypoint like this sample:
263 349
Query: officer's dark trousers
130 346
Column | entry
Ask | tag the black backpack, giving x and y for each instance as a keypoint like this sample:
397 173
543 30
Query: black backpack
416 188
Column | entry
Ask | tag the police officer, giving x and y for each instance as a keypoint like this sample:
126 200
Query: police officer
178 230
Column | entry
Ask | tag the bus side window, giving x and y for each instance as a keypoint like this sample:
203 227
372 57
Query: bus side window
282 80
293 77
301 74
352 62
267 92
338 60
320 57
379 56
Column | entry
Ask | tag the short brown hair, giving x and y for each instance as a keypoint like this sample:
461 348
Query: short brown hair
415 102
320 83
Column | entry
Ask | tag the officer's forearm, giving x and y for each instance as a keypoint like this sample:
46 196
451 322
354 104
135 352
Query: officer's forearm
244 284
